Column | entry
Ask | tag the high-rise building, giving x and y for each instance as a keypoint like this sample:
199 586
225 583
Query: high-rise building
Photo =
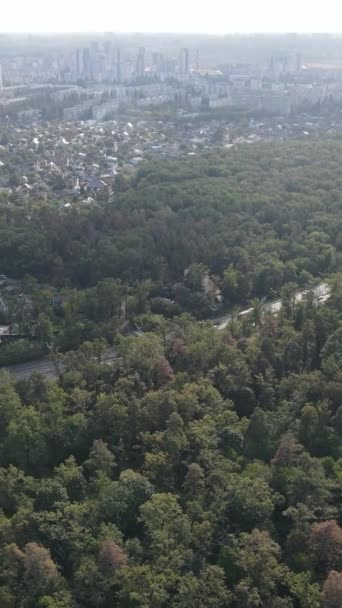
94 52
169 68
197 61
140 66
86 62
1 78
279 65
184 62
79 56
118 71
157 63
108 60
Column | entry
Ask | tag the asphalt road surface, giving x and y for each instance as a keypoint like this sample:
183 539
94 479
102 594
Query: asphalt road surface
321 291
24 370
45 367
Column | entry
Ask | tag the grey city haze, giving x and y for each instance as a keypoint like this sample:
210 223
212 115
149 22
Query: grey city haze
218 17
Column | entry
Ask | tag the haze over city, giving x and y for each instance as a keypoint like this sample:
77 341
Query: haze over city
216 17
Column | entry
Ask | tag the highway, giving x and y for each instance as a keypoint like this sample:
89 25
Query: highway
20 371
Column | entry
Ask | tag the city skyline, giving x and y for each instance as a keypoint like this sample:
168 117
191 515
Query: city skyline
190 17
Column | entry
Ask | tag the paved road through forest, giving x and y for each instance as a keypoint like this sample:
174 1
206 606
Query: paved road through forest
45 367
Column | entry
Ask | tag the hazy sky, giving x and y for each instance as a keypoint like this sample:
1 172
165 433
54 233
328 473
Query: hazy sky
213 16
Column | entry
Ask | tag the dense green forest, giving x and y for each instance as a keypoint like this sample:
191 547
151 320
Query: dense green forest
272 212
198 468
254 219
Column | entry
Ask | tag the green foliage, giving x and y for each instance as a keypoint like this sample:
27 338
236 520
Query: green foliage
194 467
20 351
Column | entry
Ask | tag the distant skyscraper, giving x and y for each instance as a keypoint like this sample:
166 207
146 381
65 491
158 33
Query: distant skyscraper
184 62
86 62
118 65
94 52
279 65
79 62
197 61
109 60
1 79
140 67
158 63
169 68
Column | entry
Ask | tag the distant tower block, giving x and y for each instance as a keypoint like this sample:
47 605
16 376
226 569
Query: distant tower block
197 61
184 62
140 64
1 80
118 65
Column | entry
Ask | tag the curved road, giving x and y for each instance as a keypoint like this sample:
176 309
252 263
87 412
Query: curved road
45 367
